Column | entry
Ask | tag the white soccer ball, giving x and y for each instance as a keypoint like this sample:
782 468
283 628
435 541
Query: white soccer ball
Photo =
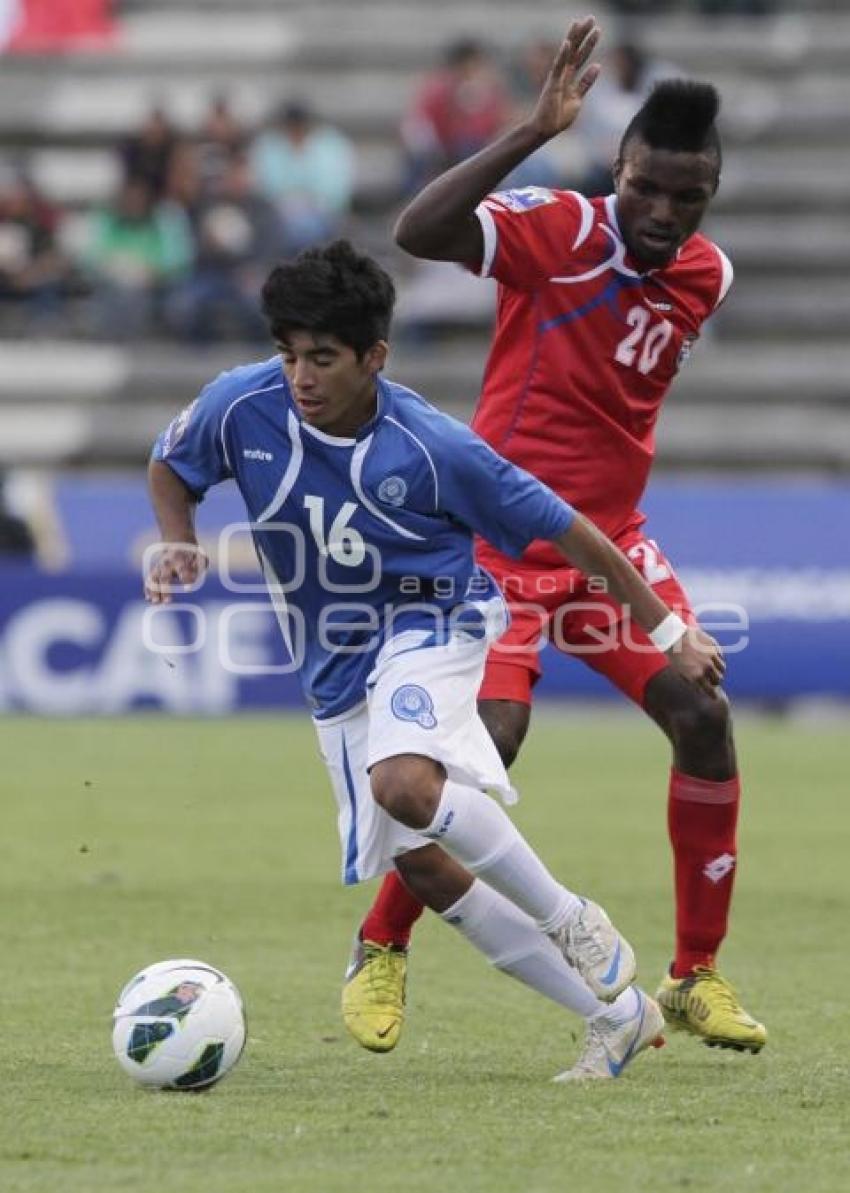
178 1025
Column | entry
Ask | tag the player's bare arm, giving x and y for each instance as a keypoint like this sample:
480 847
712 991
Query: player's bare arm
692 652
440 223
181 560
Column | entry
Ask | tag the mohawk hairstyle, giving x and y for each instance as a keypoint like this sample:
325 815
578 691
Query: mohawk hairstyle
679 115
331 290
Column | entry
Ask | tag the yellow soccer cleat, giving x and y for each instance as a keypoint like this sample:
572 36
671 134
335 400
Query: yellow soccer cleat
705 1004
373 994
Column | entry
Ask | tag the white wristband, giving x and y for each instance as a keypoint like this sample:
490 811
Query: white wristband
668 632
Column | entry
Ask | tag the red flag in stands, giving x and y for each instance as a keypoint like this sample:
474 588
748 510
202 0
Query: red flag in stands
45 26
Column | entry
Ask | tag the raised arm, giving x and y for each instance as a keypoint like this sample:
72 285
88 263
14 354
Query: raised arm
440 223
692 652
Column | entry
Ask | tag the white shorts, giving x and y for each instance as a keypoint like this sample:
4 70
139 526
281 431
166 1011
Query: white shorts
421 699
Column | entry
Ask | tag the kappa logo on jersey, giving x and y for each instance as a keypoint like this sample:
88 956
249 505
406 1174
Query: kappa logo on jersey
257 453
526 198
717 870
392 490
412 703
177 428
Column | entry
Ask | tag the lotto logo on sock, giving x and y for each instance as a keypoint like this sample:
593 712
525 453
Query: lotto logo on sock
717 870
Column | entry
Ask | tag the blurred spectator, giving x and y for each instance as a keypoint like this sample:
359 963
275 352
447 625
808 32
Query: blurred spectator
16 537
628 75
184 175
138 248
459 108
237 238
147 155
306 169
532 67
529 72
33 271
220 139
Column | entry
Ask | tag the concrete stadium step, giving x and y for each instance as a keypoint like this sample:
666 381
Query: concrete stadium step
336 31
764 180
720 372
337 34
787 307
755 437
773 243
755 404
94 108
204 7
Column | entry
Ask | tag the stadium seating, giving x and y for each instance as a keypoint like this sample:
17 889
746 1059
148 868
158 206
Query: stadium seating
771 389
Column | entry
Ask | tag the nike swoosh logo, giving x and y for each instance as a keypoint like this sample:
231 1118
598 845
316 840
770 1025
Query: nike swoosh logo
615 1068
609 977
382 1034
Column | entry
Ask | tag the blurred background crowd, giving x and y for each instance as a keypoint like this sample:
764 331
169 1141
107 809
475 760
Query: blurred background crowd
184 241
196 211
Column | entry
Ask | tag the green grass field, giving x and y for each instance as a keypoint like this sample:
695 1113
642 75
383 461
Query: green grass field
125 842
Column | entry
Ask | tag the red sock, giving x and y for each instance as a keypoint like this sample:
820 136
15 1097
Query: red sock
702 815
393 914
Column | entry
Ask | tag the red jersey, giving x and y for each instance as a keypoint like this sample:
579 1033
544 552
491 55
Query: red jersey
585 346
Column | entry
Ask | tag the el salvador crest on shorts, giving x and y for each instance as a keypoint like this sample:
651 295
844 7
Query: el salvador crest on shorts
392 490
412 703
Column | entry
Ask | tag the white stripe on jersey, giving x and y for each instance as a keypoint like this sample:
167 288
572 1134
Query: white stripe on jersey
279 603
491 237
235 402
587 215
727 274
357 457
324 437
292 469
419 443
616 261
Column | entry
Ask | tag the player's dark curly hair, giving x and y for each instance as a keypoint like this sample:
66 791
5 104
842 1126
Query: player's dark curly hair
679 115
331 290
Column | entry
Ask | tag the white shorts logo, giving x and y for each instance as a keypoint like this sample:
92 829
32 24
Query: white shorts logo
717 870
412 703
392 490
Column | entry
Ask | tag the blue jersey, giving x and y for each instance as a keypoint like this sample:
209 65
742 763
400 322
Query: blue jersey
360 538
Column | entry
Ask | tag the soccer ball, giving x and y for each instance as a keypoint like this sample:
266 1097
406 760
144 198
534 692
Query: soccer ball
178 1025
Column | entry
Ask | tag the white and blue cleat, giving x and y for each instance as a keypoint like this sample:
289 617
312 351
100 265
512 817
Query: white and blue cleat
612 1042
593 946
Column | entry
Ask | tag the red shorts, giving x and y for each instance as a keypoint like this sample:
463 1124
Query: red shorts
562 607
